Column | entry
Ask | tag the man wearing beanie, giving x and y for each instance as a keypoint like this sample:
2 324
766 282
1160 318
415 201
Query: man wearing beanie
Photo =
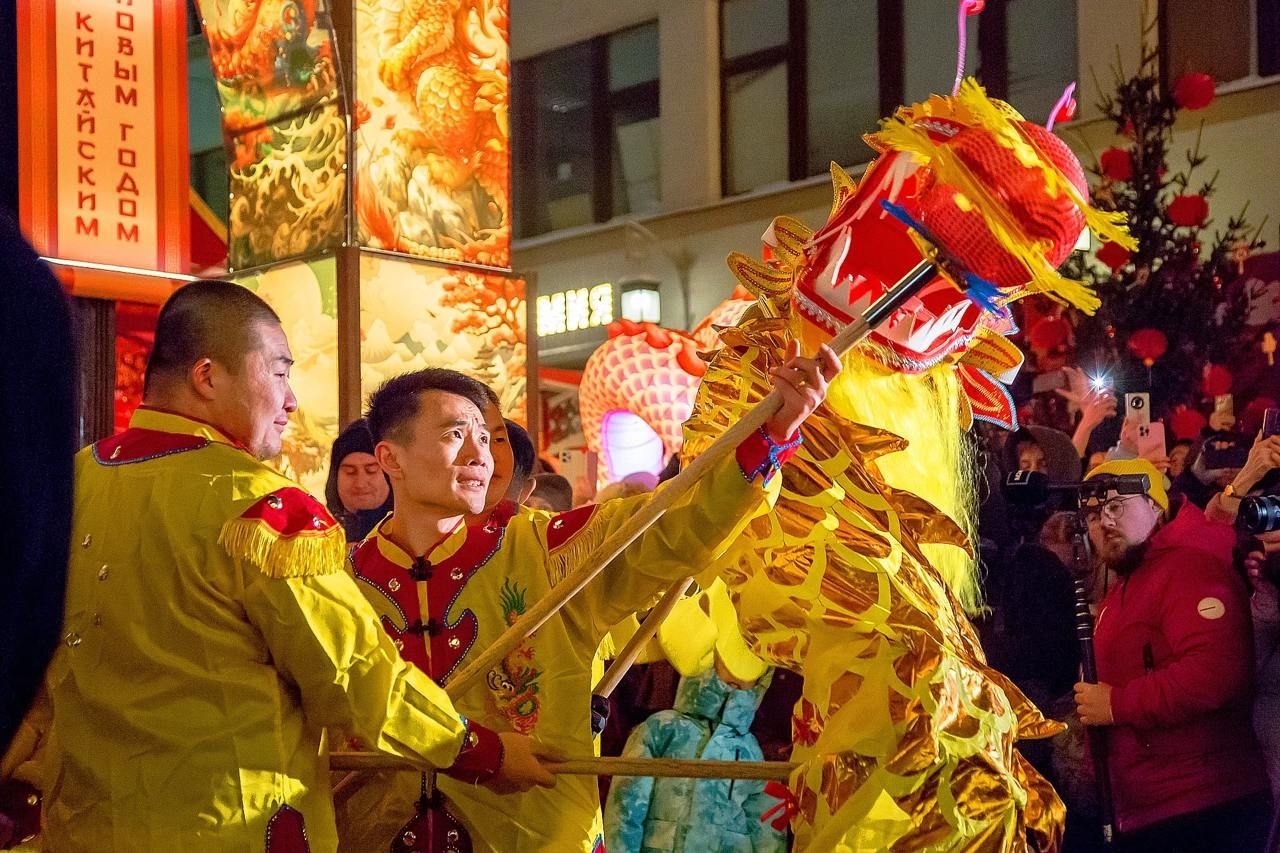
357 492
1174 669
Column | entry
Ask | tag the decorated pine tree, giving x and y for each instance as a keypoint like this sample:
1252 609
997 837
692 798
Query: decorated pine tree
1167 314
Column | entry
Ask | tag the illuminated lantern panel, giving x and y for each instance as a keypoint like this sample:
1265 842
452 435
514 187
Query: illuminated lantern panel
287 188
433 146
630 445
273 62
305 295
415 315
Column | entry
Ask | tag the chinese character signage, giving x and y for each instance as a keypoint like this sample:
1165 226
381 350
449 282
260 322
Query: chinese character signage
103 129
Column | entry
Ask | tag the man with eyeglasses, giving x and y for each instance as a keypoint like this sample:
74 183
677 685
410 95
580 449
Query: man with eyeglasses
1174 669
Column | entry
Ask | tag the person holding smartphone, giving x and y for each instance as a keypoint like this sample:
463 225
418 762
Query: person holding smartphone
1264 456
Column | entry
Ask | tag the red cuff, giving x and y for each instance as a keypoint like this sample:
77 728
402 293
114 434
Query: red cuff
758 455
480 757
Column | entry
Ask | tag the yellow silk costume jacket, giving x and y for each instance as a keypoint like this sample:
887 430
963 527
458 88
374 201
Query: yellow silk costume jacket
461 595
210 635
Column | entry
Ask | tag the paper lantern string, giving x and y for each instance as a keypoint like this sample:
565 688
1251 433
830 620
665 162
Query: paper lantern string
981 292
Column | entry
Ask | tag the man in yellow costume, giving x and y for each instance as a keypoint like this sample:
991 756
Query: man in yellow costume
446 589
861 575
210 630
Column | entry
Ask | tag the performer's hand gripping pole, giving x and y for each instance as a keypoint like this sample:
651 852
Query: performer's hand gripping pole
608 550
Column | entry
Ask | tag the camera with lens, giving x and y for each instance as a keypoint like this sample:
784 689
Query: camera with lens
1260 514
1031 488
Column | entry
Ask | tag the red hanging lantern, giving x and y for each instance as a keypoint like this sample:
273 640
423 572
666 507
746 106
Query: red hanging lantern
1217 380
1148 345
1049 334
1114 255
1189 211
1193 91
1186 423
1116 164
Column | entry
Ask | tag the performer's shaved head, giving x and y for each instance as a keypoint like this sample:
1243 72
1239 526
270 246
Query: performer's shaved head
205 319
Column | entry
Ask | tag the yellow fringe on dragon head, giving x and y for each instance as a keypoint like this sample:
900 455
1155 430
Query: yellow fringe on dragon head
861 575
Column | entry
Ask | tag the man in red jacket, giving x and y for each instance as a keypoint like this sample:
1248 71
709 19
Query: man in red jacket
1174 657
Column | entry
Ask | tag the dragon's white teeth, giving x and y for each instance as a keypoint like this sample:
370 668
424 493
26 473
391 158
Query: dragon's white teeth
922 335
951 319
898 328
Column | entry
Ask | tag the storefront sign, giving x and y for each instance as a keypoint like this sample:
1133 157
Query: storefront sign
574 310
103 131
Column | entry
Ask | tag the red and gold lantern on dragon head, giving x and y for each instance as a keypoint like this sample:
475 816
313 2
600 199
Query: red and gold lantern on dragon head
1004 197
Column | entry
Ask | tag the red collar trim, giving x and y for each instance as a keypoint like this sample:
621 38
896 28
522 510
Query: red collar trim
143 445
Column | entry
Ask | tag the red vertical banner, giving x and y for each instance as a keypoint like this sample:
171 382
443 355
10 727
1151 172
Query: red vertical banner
103 135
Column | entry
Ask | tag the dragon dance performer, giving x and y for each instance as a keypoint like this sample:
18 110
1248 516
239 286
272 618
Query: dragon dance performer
861 575
445 588
210 630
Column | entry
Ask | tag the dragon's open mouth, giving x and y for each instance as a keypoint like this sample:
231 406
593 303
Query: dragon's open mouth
863 251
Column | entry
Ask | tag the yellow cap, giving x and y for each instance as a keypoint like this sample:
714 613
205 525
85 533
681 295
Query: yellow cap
1119 467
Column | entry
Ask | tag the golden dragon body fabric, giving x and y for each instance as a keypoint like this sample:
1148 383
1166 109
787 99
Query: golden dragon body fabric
856 579
904 736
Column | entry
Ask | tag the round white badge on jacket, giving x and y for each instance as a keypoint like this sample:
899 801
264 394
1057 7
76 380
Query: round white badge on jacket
1211 608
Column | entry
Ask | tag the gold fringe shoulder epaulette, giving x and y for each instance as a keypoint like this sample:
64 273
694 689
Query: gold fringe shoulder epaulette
286 534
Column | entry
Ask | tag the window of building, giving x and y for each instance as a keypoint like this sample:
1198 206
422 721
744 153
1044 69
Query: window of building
209 177
1242 43
803 80
586 139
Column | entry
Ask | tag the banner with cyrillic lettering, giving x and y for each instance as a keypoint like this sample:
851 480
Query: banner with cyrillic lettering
103 131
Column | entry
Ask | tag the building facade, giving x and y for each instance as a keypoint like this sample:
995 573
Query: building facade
653 137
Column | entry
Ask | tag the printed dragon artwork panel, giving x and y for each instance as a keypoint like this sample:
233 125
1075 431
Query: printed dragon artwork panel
415 315
305 295
433 152
273 62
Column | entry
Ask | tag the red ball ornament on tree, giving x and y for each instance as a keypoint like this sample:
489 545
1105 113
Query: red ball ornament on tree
1148 345
1186 423
1116 164
1049 334
1189 211
1217 380
1114 255
1193 91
